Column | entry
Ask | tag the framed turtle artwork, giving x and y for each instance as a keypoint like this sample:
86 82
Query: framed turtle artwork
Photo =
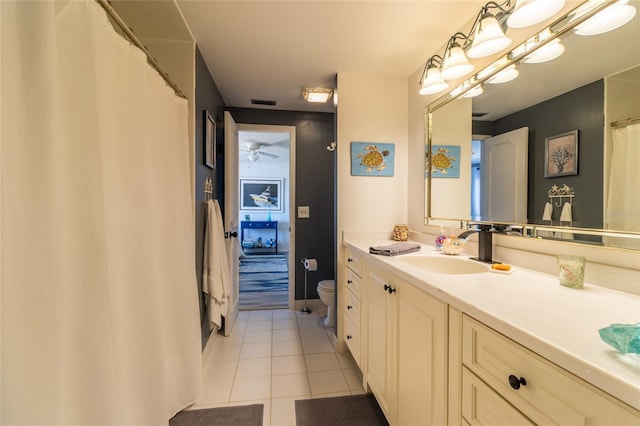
445 161
372 159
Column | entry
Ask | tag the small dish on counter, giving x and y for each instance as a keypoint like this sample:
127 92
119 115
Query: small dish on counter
453 245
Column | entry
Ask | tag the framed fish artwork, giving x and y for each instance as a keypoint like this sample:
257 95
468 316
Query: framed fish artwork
261 195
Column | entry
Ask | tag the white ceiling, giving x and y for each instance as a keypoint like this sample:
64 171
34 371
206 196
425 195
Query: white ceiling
275 143
271 50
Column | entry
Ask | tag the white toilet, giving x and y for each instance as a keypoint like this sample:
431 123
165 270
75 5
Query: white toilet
326 290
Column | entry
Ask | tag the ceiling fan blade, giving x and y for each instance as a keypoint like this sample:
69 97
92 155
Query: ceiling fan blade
268 154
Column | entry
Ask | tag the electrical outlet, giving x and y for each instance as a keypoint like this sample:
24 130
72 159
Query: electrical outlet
303 212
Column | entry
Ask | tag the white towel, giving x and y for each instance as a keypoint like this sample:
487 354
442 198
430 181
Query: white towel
215 266
546 216
548 210
565 220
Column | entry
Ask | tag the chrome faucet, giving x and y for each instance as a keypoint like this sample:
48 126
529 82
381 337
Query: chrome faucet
485 242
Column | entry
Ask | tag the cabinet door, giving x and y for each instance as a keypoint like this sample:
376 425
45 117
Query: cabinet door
381 311
422 358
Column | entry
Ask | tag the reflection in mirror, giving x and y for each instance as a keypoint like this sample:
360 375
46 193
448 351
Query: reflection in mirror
595 81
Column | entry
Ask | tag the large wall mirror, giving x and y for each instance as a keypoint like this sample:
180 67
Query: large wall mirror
540 151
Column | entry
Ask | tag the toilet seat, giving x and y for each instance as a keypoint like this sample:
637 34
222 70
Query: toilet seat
327 285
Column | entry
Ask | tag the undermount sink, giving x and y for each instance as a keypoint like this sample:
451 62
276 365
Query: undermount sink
446 265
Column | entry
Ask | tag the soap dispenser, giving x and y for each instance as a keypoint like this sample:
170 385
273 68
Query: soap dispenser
440 239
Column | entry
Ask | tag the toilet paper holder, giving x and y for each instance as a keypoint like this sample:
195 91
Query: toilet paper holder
309 265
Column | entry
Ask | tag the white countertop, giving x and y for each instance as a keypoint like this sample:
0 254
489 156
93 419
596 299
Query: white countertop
559 323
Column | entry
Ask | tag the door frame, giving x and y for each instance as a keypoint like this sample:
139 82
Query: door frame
291 130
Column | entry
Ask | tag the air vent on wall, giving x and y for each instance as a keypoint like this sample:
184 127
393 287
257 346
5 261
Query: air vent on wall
478 114
263 102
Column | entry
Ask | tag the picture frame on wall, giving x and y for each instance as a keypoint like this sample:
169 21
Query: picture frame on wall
209 140
262 194
561 154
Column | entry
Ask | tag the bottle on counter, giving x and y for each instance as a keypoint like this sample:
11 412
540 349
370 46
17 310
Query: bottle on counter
440 239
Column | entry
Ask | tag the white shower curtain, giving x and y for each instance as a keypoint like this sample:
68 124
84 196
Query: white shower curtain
623 207
99 308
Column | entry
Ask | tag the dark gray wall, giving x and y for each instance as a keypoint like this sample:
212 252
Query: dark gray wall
315 187
581 109
207 98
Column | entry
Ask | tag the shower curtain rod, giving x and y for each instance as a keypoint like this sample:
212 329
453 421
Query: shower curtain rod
623 123
132 37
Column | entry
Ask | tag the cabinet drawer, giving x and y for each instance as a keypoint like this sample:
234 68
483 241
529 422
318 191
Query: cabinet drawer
353 261
482 406
352 338
354 284
352 308
551 395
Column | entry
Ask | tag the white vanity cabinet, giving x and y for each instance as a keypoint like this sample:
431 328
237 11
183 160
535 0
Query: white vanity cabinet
352 304
505 383
381 305
439 350
406 350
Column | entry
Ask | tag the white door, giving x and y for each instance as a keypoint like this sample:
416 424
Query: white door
231 215
503 177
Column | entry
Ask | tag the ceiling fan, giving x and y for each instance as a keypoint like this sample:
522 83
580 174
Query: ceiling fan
254 151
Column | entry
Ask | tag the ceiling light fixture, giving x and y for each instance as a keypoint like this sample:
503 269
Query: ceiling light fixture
316 94
454 62
608 19
253 156
431 81
531 12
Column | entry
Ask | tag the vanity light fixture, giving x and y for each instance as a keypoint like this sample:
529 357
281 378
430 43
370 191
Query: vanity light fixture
316 94
455 63
531 12
488 37
473 92
507 74
608 19
548 52
431 81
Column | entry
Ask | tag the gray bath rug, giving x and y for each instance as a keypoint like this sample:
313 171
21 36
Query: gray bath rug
245 415
354 410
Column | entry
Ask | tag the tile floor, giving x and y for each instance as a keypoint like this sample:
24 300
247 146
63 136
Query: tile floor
274 357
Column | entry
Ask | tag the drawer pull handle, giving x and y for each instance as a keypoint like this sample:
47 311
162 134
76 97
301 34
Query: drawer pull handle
349 337
515 382
349 307
389 289
349 260
349 282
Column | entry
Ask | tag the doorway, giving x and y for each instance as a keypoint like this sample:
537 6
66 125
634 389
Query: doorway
266 196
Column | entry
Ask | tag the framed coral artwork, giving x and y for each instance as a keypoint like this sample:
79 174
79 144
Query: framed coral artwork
561 154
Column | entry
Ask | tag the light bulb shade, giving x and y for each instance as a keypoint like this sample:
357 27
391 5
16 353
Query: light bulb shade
473 92
455 64
607 19
507 74
488 38
531 12
432 82
316 94
548 52
253 156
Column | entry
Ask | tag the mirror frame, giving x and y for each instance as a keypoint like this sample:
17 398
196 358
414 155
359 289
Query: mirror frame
558 28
